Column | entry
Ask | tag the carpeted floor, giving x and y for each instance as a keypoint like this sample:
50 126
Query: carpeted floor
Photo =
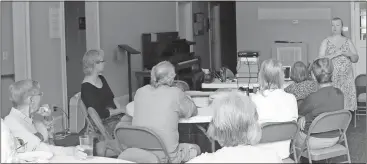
356 141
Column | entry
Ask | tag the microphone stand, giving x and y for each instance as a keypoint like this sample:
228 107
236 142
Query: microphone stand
66 132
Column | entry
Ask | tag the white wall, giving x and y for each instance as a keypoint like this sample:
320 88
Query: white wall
124 23
45 53
259 35
7 66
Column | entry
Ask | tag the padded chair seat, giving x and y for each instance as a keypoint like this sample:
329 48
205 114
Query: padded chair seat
325 153
138 156
288 160
361 97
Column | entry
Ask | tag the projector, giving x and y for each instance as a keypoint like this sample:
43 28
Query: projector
247 54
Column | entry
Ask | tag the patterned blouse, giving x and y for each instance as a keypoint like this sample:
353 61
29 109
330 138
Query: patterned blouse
303 89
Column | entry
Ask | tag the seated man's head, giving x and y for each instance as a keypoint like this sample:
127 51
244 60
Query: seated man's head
26 94
322 70
234 121
93 62
271 75
299 72
162 74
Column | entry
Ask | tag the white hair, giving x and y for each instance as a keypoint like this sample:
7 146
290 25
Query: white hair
162 74
235 120
21 90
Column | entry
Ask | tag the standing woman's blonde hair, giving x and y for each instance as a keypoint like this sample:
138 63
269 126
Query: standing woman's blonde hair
90 59
271 75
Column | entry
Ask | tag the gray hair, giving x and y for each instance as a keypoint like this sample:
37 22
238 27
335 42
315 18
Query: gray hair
162 74
21 90
89 60
234 121
271 75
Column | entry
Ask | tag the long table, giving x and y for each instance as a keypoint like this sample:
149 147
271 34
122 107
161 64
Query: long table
229 84
232 84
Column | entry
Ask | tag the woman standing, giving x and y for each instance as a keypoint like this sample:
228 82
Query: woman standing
343 53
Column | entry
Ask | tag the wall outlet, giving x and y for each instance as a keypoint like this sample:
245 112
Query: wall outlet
295 21
5 55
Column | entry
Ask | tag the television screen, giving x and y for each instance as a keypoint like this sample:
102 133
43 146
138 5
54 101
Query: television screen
287 72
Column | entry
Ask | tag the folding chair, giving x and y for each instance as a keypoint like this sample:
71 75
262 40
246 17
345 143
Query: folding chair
280 131
360 82
96 120
142 138
326 122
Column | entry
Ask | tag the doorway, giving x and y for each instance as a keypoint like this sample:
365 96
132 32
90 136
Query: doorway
75 43
217 43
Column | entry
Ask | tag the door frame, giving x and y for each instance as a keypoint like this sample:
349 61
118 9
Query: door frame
63 65
355 36
92 40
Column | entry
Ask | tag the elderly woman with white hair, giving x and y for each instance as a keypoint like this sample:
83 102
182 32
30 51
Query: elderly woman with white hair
273 104
235 126
159 106
26 97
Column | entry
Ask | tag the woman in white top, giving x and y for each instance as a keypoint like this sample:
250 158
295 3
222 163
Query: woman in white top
273 104
235 127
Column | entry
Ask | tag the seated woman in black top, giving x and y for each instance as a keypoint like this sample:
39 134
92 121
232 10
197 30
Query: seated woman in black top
95 90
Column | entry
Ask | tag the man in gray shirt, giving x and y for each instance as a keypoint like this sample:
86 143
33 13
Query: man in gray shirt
159 106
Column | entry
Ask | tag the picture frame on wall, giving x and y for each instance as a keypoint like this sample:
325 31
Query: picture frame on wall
199 23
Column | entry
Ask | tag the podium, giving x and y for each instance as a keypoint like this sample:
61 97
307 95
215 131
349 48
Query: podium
129 51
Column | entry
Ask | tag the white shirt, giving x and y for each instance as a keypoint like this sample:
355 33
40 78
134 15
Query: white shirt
276 106
22 127
8 144
238 154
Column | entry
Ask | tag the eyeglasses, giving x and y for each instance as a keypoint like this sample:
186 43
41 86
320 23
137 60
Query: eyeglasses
39 94
101 61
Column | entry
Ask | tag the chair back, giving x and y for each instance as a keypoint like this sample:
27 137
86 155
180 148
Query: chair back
98 122
79 119
83 109
278 131
182 85
330 121
361 82
140 137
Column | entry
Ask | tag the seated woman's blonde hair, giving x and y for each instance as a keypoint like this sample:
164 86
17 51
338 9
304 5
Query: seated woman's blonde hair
235 120
271 75
90 58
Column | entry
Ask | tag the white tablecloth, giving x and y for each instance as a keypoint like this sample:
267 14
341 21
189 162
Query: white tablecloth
72 159
217 84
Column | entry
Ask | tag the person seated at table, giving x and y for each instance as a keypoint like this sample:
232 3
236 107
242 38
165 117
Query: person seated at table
8 145
96 93
302 85
273 104
326 99
159 106
235 126
26 96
